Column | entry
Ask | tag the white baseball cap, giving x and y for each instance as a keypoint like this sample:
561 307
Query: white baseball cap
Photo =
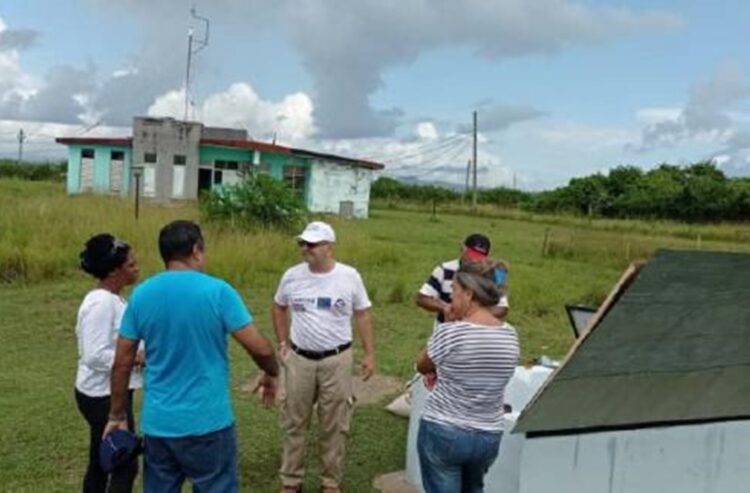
318 231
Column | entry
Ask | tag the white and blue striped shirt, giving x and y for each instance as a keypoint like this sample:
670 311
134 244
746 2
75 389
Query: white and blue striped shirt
474 364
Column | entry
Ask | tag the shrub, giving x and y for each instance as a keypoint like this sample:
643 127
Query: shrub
258 201
32 171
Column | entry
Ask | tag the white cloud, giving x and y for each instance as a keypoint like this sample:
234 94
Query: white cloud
586 136
291 119
426 131
707 115
15 84
651 116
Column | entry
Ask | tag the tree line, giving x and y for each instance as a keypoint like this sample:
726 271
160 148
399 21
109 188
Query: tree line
698 192
32 171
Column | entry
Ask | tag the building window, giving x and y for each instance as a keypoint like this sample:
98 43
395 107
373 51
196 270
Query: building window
221 164
294 177
179 160
87 153
117 156
149 157
263 169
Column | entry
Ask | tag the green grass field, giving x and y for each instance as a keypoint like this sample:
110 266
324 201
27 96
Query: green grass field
42 231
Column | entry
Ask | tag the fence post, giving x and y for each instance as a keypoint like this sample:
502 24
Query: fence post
545 245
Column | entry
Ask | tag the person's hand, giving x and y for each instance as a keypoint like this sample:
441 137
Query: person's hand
115 424
448 314
283 350
140 359
266 386
368 366
430 380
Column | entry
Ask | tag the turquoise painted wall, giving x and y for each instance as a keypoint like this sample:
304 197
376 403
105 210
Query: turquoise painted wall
209 154
102 159
74 169
275 162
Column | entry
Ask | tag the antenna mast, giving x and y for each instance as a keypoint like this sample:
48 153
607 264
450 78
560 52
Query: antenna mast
194 46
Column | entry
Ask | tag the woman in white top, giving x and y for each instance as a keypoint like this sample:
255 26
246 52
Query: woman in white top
113 263
473 356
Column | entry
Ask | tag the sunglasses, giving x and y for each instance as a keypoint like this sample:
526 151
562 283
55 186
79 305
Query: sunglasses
310 246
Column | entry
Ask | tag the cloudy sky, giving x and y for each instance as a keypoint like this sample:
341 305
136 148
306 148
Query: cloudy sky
562 88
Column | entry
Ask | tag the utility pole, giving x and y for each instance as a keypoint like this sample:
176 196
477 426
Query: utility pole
474 178
199 45
21 138
468 173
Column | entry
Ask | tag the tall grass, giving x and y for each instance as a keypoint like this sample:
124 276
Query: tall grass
552 260
719 231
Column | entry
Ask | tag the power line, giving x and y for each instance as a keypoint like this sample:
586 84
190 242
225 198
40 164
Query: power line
447 161
450 160
424 149
419 149
428 155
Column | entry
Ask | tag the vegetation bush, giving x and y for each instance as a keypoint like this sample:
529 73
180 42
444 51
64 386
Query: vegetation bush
32 171
695 193
257 201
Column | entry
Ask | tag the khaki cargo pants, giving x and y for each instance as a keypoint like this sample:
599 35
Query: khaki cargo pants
329 383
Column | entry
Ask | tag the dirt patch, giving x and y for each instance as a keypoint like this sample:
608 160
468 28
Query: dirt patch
394 482
374 390
377 388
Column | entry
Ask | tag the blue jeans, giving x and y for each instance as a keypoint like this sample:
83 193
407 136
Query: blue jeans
208 461
453 459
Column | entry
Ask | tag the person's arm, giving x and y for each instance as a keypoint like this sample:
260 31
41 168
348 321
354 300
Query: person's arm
363 322
280 320
425 365
125 353
96 350
429 299
433 304
261 351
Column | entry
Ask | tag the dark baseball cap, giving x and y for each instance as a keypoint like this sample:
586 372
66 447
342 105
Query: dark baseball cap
477 246
118 448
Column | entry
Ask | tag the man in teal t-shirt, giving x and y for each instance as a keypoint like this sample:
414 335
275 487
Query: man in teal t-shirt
184 316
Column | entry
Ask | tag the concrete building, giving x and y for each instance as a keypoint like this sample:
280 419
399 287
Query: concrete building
178 160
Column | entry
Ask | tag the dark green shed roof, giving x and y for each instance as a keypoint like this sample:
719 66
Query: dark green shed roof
674 348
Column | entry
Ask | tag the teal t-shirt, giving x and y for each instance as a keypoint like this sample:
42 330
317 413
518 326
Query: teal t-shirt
184 318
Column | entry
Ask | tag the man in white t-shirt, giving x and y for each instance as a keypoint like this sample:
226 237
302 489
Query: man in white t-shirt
319 297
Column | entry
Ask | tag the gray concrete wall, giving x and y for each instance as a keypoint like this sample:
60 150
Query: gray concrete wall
166 138
224 133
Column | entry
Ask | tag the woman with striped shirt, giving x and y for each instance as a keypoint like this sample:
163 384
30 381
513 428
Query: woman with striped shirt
474 356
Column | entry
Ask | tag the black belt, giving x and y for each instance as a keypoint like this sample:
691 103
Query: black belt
318 355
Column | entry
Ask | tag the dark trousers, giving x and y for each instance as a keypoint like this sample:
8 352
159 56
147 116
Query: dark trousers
96 411
208 461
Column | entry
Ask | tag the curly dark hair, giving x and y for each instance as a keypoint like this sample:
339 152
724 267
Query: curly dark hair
103 254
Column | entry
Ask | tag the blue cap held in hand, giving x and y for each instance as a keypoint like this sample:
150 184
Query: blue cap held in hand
118 448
